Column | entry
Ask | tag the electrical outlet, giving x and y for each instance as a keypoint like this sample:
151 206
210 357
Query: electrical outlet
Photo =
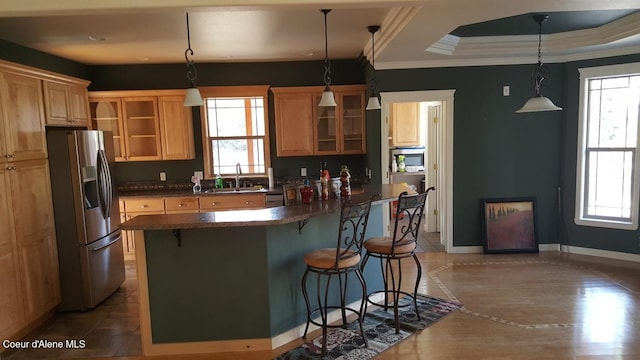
303 171
163 176
198 174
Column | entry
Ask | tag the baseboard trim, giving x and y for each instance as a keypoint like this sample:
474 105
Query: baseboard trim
479 249
616 255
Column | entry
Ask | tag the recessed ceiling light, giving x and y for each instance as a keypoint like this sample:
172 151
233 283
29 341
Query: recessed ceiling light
97 38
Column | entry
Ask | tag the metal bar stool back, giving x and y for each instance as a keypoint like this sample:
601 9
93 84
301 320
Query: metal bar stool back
339 262
392 249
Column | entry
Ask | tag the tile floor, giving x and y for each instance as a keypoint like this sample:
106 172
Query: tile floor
111 329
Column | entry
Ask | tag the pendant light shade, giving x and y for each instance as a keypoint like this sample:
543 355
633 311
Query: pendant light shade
193 97
374 101
539 75
327 96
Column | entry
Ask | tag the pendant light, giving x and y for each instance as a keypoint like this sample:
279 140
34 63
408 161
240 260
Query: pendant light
374 102
540 74
327 96
193 97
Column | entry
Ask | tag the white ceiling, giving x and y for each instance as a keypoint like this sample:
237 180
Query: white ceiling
414 33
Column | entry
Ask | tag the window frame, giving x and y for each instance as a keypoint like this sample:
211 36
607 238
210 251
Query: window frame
580 217
233 92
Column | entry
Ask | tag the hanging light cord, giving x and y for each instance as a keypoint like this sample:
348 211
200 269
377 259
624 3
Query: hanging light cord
373 29
327 63
540 73
192 73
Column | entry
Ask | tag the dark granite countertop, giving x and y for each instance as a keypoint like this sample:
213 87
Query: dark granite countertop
260 217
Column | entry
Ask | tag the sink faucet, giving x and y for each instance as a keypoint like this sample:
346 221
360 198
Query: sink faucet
238 172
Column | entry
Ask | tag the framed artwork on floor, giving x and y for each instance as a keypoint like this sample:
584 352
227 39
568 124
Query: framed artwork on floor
509 225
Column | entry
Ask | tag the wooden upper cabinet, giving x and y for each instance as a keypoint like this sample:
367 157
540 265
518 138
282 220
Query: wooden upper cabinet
405 124
145 124
141 128
66 104
294 121
352 123
176 128
304 128
106 115
22 132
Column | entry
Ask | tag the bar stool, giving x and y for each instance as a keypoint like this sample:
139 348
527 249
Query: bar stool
401 244
338 261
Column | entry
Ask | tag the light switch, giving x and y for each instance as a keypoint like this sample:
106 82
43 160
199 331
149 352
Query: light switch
163 176
199 174
303 171
505 90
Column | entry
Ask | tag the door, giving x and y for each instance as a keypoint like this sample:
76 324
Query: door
99 200
103 263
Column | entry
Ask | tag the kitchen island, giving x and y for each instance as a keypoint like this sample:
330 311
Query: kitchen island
231 280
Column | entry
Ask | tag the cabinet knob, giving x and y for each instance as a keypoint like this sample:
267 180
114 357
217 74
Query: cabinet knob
215 203
181 205
248 202
10 156
144 206
11 168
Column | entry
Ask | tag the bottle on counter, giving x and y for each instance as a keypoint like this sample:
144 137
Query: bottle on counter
325 180
345 182
196 184
219 184
394 165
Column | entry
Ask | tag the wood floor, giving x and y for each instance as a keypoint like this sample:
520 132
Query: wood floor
523 306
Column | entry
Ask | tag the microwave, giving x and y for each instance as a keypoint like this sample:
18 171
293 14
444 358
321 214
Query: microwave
413 157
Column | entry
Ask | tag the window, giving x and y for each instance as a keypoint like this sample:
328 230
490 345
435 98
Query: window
235 130
608 178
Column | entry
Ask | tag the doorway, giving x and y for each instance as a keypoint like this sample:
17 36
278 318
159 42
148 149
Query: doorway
438 161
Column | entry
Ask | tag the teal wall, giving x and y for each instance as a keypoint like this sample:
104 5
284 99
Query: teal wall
497 153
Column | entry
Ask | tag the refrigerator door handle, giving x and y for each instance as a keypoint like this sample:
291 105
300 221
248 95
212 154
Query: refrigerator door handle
106 245
104 185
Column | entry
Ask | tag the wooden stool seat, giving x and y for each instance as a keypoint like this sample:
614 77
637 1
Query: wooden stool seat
326 259
385 245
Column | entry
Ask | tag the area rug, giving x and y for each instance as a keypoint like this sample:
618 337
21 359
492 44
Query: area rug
347 343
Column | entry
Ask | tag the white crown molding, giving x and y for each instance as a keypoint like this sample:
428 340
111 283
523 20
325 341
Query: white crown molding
446 46
393 23
621 37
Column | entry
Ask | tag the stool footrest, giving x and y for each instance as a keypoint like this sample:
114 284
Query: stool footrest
342 323
408 297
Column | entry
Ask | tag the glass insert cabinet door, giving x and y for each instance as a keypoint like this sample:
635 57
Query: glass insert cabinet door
106 115
352 122
326 127
141 128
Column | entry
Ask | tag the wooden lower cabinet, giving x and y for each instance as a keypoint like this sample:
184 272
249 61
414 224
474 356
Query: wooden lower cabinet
132 207
11 313
231 202
29 276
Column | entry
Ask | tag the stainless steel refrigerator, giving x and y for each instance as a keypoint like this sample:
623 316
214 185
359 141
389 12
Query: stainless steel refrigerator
87 216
